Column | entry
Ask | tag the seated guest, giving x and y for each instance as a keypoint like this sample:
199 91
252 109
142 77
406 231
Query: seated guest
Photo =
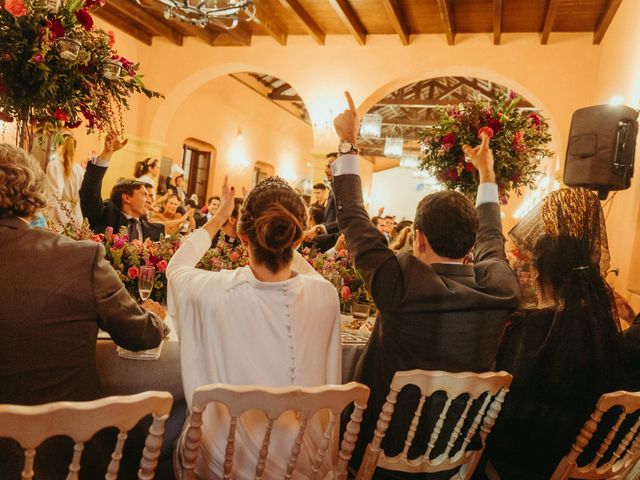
320 194
568 351
229 230
127 204
169 217
192 209
436 312
274 323
54 296
381 226
316 217
212 206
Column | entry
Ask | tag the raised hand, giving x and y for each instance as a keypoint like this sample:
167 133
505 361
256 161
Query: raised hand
111 145
347 123
482 158
227 200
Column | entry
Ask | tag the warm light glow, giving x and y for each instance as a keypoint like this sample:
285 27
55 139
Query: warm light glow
238 154
544 186
616 100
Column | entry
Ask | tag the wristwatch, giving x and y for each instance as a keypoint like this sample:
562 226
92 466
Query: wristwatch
347 147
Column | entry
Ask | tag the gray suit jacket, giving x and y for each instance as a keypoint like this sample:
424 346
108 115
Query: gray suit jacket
55 293
433 317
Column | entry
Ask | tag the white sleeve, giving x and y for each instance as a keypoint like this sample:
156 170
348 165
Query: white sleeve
346 165
301 266
487 193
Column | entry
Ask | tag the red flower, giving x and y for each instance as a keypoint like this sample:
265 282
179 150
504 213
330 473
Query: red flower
345 293
535 119
161 265
112 38
453 174
56 28
448 140
60 114
133 273
512 95
5 117
517 140
469 167
487 130
15 7
495 125
85 19
94 3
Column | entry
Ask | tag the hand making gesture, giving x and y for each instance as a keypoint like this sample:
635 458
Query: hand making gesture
347 124
482 158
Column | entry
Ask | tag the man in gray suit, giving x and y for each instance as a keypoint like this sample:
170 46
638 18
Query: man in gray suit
54 295
435 311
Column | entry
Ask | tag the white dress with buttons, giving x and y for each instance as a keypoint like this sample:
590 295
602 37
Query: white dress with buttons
235 329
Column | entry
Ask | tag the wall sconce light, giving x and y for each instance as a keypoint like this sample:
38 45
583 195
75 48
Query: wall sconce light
238 154
393 147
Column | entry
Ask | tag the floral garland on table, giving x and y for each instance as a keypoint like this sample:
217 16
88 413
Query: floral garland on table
340 271
46 83
518 140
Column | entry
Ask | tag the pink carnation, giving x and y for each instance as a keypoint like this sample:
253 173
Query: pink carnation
15 7
133 273
56 28
162 265
235 256
85 19
345 293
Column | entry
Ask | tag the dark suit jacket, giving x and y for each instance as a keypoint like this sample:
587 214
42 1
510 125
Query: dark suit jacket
102 214
433 317
327 240
54 296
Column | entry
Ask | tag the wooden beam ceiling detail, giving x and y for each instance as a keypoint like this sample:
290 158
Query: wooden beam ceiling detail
137 14
202 33
603 24
446 17
497 21
549 18
350 19
110 15
298 11
394 10
265 18
239 35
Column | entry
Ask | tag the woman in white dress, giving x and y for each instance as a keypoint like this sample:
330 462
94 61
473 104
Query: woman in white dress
273 323
65 177
147 171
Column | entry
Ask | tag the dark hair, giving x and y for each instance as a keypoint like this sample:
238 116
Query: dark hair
124 187
147 185
316 212
215 197
375 219
191 203
237 203
272 218
332 155
449 221
143 167
404 223
319 186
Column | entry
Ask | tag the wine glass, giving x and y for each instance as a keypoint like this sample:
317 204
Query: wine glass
146 281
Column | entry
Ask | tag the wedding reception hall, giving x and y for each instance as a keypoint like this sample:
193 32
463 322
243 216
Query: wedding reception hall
387 239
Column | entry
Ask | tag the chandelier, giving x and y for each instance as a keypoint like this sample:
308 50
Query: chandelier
222 13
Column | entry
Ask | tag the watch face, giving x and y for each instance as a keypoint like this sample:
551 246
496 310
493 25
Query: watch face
345 147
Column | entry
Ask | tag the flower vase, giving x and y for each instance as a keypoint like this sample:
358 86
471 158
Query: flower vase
111 69
68 48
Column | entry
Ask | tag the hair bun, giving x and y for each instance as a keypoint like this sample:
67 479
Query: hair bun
277 229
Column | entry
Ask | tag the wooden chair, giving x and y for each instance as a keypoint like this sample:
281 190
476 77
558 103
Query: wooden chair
626 454
273 402
494 384
31 425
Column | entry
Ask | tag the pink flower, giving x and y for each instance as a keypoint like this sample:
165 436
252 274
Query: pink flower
15 7
37 58
133 273
448 140
235 256
56 28
119 242
512 95
487 130
345 293
535 119
153 260
108 231
112 38
85 19
162 265
136 243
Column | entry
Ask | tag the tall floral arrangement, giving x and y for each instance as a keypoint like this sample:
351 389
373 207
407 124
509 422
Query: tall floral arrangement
519 142
58 70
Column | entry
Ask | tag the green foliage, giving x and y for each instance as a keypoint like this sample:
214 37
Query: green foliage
519 143
39 86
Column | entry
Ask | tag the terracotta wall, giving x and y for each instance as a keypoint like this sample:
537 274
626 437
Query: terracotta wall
619 74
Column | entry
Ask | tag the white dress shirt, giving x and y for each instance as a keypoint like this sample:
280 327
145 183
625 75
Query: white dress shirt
236 329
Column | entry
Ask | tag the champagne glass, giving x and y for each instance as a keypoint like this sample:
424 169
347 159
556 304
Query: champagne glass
145 281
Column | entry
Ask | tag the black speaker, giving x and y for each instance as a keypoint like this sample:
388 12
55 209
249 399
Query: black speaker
601 149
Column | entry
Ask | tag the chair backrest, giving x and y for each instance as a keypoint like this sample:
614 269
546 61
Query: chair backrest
31 425
619 447
494 385
306 401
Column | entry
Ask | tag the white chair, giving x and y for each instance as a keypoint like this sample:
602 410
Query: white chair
626 454
31 425
273 402
494 384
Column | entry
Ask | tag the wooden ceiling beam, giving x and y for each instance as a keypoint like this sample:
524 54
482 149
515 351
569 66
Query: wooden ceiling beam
497 21
266 19
136 13
394 10
298 11
350 19
603 24
239 35
202 33
446 17
549 18
108 14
